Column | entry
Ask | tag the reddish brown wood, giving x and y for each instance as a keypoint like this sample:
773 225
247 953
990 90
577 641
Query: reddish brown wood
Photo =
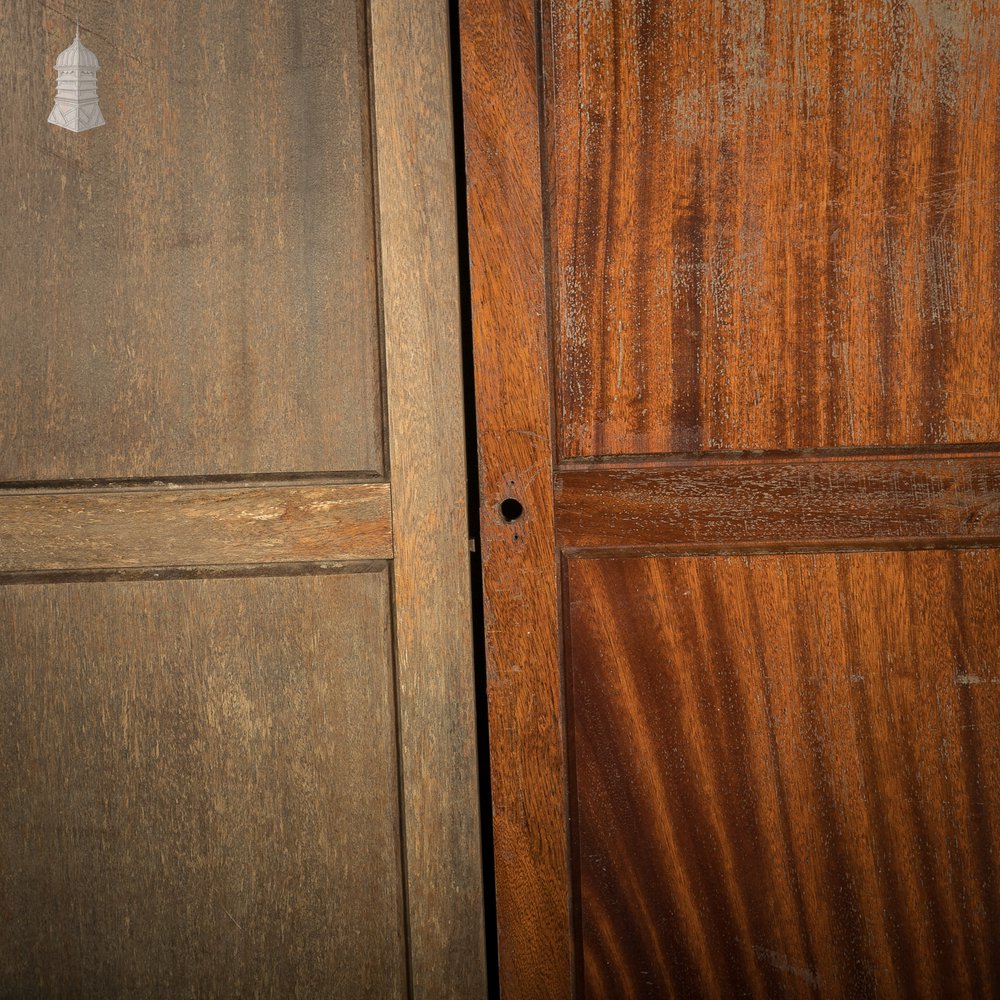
774 225
774 503
762 239
787 774
500 89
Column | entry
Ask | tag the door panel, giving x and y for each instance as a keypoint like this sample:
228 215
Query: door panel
774 226
734 295
783 760
235 620
191 289
199 794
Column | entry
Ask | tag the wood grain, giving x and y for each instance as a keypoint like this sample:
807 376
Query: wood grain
774 225
430 570
787 773
192 293
113 529
747 270
191 289
199 791
500 95
779 502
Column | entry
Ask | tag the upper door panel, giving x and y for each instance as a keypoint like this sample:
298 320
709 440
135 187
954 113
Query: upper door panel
191 289
774 226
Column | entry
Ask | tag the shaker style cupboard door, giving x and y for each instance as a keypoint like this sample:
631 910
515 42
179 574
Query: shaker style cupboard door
238 734
735 296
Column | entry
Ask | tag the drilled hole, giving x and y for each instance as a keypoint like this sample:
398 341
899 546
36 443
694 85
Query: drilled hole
511 509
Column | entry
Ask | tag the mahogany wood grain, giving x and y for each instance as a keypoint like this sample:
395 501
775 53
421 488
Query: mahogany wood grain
190 289
510 347
774 225
779 502
734 284
115 529
787 774
430 570
199 791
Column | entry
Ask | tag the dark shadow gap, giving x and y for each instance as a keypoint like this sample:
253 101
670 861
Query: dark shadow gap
472 480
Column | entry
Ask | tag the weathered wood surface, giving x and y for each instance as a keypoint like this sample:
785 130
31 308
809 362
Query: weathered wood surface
774 225
191 289
193 294
430 570
500 93
117 529
199 790
779 502
787 774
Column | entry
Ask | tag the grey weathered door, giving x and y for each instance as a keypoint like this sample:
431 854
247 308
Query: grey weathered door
237 733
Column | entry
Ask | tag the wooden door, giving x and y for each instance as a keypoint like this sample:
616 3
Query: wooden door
735 294
238 736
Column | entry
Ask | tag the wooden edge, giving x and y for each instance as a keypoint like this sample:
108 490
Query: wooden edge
520 572
749 459
434 662
791 503
120 529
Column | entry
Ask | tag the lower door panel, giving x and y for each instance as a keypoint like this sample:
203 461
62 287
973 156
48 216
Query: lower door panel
199 792
782 761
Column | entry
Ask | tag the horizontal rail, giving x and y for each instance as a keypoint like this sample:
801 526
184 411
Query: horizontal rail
808 501
190 527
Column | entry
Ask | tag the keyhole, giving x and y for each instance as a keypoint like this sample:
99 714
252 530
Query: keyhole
511 509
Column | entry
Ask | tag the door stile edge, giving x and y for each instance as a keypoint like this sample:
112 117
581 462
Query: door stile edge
415 182
512 358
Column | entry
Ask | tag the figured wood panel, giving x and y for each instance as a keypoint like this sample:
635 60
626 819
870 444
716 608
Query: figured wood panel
430 569
786 774
500 84
190 289
779 502
774 225
194 527
199 794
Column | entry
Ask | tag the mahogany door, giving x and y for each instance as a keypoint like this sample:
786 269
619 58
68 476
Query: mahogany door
735 283
238 737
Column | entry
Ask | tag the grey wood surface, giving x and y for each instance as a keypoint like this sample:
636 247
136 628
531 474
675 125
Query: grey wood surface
190 289
427 454
199 790
235 641
121 528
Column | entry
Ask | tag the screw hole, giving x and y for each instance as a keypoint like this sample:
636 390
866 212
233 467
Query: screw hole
511 509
